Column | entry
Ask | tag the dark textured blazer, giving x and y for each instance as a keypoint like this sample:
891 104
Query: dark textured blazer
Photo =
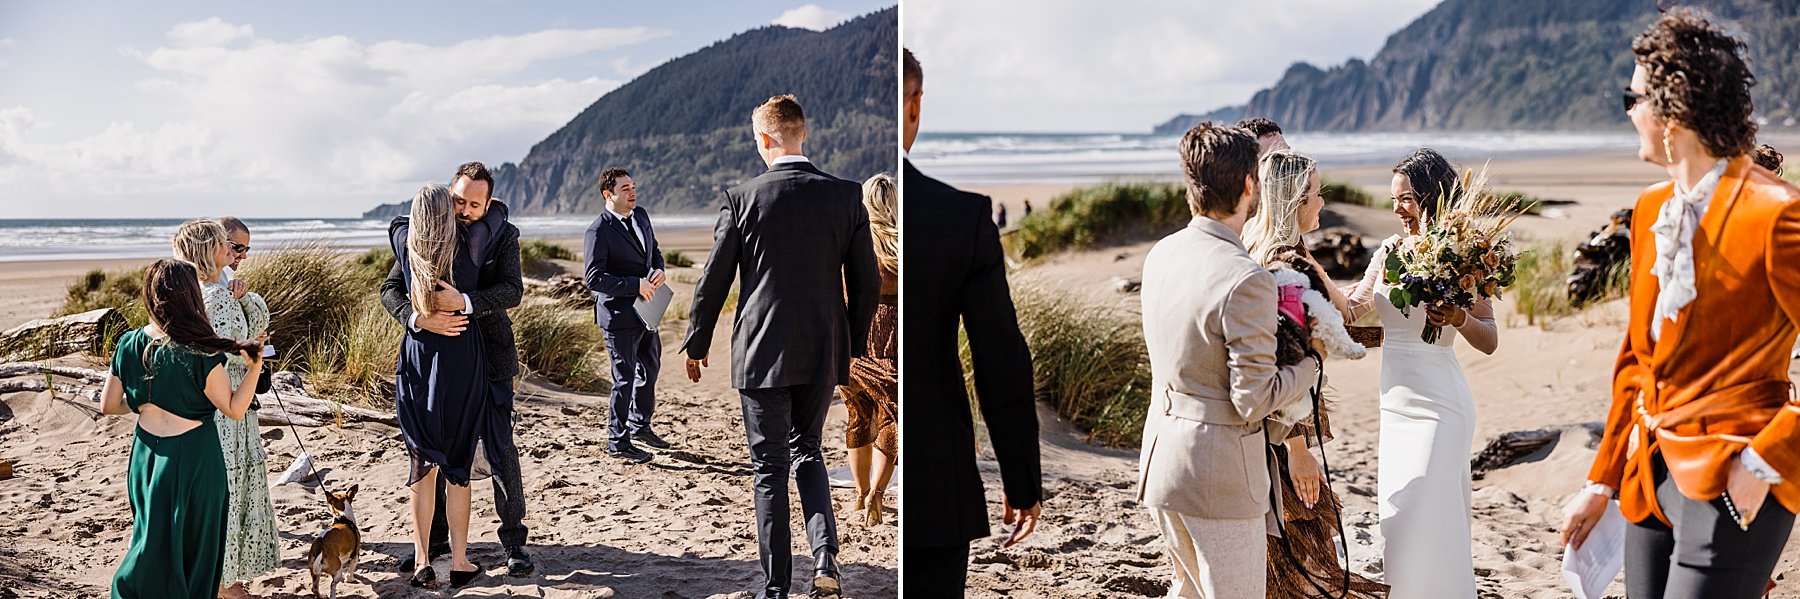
501 288
956 275
615 264
798 241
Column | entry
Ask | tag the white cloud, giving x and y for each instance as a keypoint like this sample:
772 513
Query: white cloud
811 16
328 119
211 32
1077 65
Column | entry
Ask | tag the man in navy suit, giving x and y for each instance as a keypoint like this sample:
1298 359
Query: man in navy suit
624 264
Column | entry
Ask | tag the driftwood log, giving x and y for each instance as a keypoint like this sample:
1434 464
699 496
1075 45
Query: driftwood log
1596 259
1340 251
89 332
1512 448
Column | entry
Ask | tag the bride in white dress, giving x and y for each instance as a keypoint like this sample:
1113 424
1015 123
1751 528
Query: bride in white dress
1427 411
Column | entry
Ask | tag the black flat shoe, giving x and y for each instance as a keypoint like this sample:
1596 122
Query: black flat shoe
460 579
772 593
410 562
425 577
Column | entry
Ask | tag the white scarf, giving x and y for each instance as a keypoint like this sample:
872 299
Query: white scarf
1674 232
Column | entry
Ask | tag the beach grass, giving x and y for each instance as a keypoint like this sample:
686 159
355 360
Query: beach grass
562 344
1541 291
1089 363
1089 216
535 250
675 258
122 290
359 365
1345 192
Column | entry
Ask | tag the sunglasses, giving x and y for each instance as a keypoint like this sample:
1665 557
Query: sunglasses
1632 98
241 249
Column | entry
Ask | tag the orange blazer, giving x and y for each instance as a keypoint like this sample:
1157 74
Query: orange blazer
1716 380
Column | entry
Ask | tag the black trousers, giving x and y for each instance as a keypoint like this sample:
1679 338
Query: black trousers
636 359
935 571
509 484
1704 555
783 425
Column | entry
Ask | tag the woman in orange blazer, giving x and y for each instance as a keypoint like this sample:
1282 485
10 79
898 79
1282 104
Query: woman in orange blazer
1702 444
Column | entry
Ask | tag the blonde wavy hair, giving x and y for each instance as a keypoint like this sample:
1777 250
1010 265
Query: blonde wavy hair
881 197
430 243
1285 177
195 243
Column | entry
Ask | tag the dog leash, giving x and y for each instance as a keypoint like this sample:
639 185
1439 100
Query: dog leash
304 452
1287 548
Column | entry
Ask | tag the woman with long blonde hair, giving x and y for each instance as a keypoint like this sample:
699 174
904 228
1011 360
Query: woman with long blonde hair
872 398
1303 561
442 391
251 546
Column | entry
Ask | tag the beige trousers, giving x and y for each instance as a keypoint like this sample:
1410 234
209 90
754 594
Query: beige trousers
1214 558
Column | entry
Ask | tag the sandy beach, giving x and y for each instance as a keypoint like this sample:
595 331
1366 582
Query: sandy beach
1097 540
679 527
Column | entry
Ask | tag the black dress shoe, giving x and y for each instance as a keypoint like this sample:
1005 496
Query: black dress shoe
649 439
518 563
459 579
630 454
825 574
424 577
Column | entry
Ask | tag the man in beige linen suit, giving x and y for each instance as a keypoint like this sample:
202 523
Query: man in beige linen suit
1209 323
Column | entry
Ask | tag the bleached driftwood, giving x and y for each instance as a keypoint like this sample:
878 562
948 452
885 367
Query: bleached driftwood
51 337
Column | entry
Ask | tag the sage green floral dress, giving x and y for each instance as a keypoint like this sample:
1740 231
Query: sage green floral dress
251 547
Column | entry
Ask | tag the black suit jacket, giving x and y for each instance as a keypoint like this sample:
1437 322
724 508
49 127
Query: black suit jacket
615 265
799 241
956 274
500 289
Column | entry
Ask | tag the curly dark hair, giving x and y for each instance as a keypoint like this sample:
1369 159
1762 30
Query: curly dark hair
1699 77
1260 127
1768 157
1431 176
610 176
1215 160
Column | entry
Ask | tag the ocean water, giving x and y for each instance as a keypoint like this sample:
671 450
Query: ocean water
1010 158
79 239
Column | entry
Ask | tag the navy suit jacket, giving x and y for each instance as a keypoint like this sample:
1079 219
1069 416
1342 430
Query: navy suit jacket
615 265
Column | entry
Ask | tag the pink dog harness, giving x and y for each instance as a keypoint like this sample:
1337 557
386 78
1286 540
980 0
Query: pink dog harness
1291 304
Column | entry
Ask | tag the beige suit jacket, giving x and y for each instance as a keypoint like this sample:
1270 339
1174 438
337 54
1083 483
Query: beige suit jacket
1209 324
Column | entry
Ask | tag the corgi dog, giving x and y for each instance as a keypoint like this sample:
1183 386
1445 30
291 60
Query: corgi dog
335 551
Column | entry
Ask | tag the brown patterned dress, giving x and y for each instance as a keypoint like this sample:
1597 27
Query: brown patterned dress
873 396
1308 533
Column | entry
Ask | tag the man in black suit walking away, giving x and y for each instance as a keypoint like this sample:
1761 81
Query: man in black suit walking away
624 265
945 510
494 245
799 239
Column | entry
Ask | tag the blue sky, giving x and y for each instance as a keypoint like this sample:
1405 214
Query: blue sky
1086 65
264 109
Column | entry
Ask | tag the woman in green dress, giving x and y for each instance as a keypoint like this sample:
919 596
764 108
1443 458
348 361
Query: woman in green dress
251 545
172 374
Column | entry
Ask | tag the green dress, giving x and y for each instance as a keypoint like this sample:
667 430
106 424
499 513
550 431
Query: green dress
176 484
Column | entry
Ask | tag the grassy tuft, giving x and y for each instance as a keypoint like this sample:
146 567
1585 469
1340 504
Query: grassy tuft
1089 363
1088 216
562 344
1345 192
122 290
1541 291
675 258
